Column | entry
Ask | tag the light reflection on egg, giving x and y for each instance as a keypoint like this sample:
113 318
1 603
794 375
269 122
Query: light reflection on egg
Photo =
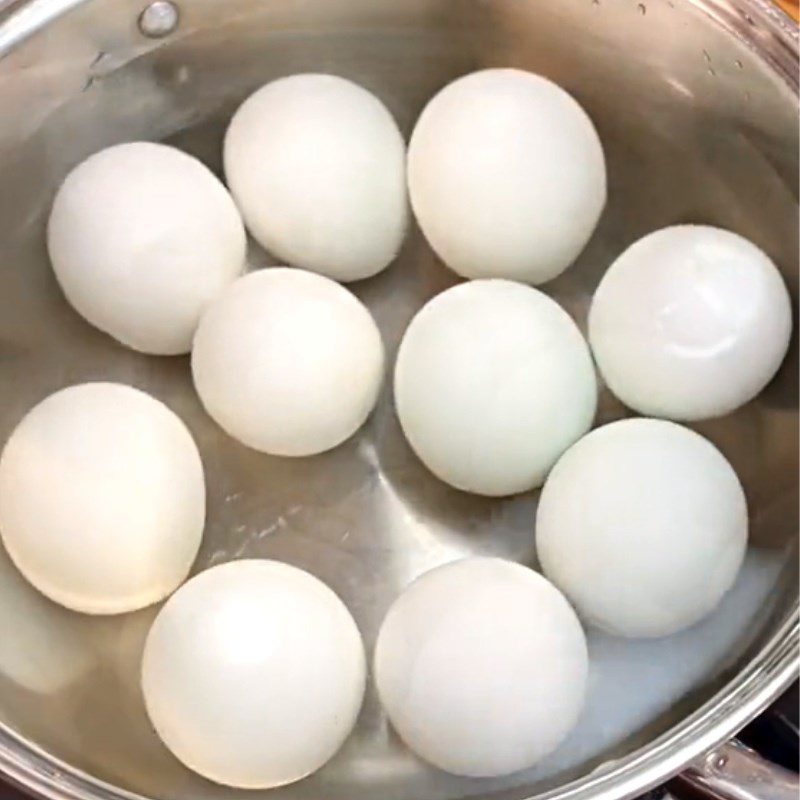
253 674
102 498
690 322
506 176
643 525
481 666
493 381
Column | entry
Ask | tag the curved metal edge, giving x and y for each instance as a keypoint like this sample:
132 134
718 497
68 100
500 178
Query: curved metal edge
770 673
17 25
765 28
35 772
735 772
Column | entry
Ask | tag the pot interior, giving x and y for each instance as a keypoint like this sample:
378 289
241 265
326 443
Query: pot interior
697 127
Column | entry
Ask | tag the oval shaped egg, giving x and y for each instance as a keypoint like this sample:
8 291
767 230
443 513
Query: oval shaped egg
316 164
493 382
288 362
481 666
690 322
141 237
102 498
506 176
643 525
253 674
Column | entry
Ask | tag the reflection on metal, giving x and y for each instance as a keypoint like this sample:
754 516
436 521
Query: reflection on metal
735 772
159 19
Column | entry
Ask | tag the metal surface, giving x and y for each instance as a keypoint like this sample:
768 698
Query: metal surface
735 772
696 105
159 19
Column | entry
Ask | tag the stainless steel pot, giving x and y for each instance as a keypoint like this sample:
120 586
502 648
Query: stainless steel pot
696 102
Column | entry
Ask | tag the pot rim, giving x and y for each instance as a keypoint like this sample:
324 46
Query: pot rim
766 677
774 37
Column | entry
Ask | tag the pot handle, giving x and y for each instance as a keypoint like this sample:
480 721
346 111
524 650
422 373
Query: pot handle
735 772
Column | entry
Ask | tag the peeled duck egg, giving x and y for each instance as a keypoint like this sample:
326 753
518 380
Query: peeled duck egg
493 382
316 164
102 498
288 362
141 237
481 666
643 525
253 674
690 322
506 176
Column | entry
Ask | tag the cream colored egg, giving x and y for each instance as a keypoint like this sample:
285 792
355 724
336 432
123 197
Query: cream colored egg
102 498
316 164
506 176
481 666
690 322
643 525
141 237
493 382
253 674
288 362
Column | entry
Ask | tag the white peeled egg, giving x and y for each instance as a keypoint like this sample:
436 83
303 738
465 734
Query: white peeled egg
316 164
253 674
288 362
493 382
102 498
141 237
506 176
481 666
643 525
690 322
